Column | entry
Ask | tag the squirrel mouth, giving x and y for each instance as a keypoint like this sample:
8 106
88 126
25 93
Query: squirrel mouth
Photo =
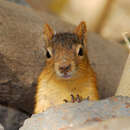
66 76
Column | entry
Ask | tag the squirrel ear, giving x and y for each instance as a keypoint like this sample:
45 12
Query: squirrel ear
81 31
48 32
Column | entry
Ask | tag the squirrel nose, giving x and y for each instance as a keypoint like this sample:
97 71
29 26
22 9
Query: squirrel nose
65 68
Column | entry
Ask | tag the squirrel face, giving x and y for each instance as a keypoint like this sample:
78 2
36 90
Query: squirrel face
66 52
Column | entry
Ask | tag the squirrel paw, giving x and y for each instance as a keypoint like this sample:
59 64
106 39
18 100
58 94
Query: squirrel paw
75 99
78 98
88 98
65 100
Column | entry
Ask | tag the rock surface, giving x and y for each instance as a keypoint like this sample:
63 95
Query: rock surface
22 59
124 86
111 124
11 119
85 113
1 127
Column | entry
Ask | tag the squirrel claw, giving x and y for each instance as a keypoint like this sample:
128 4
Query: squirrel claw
88 98
65 100
72 98
78 98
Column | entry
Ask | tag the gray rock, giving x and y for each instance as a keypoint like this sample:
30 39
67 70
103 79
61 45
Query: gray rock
11 118
72 115
110 124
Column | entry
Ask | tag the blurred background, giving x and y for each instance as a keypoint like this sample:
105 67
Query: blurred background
109 18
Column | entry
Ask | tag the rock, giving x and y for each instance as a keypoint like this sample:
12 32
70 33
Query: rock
1 127
124 86
22 59
111 124
75 114
11 118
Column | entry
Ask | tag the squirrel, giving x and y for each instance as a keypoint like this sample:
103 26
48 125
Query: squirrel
67 75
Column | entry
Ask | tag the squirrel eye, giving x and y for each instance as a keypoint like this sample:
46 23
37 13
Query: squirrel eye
80 53
48 55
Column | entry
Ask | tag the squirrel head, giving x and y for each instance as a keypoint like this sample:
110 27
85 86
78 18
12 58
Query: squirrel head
66 53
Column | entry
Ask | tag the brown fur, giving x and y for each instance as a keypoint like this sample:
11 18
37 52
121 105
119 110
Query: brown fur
52 88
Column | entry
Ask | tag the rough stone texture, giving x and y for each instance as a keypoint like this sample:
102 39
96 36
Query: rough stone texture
72 115
111 124
21 52
11 118
124 86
